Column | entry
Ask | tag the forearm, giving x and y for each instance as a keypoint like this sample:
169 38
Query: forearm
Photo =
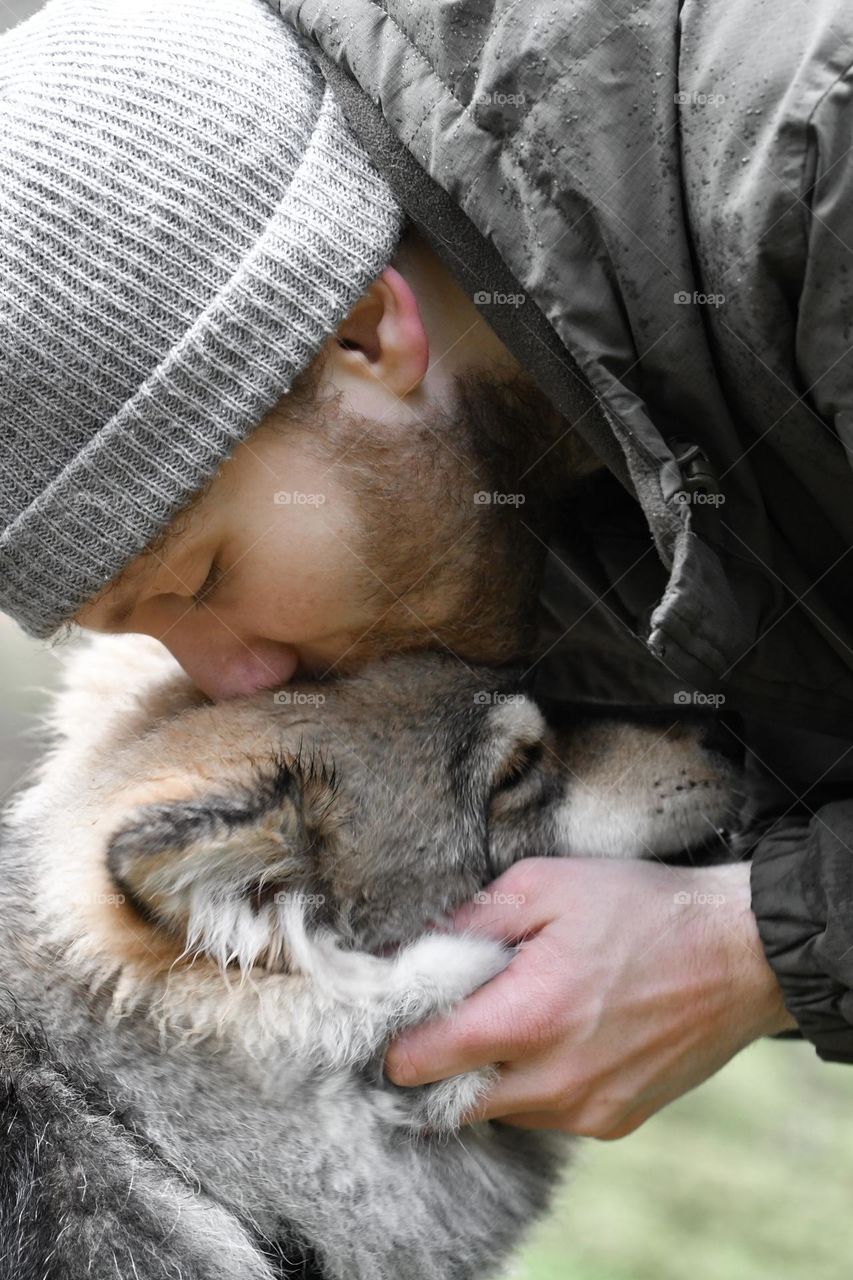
744 968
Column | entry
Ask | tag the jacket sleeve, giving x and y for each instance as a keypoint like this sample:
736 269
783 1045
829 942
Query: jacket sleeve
802 897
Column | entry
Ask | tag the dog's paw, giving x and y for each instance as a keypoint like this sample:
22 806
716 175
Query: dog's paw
436 973
425 978
439 970
359 1001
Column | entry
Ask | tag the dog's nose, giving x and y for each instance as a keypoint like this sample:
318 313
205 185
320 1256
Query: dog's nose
723 735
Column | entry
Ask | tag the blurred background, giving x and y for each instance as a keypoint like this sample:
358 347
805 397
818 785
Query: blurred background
12 11
16 10
749 1177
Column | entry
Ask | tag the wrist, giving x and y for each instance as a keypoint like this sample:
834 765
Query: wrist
749 991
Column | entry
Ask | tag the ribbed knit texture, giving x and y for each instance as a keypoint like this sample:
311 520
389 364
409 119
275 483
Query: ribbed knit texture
184 219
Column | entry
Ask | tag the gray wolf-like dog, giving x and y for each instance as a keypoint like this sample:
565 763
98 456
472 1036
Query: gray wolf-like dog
216 916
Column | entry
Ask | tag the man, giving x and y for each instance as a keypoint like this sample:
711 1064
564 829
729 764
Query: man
661 249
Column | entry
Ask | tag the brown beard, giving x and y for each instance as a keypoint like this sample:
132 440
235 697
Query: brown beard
444 567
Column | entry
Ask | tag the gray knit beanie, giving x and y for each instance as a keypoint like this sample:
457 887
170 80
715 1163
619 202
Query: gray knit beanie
185 218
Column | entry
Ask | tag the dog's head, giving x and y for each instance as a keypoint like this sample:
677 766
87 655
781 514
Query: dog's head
380 802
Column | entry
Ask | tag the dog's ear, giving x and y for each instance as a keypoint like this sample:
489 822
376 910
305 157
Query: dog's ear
218 871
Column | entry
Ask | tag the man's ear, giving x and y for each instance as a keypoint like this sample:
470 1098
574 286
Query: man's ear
383 338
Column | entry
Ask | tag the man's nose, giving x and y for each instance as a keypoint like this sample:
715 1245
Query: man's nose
234 668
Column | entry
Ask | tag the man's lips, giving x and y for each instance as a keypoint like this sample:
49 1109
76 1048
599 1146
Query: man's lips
251 670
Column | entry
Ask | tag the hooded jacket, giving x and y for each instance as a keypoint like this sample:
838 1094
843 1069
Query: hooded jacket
653 207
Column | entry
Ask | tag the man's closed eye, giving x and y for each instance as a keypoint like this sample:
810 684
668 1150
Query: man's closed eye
214 576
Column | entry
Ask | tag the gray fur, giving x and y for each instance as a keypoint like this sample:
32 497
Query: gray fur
193 1076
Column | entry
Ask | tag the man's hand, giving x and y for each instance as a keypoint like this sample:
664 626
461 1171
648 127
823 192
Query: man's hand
633 983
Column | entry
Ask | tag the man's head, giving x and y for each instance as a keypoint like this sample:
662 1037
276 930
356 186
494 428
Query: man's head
185 218
396 498
218 359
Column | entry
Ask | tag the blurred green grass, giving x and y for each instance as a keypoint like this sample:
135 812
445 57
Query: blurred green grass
749 1177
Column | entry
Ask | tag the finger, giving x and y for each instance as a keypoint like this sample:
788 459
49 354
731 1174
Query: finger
530 1120
514 905
510 1017
517 1097
564 1122
518 1107
625 1126
426 1054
